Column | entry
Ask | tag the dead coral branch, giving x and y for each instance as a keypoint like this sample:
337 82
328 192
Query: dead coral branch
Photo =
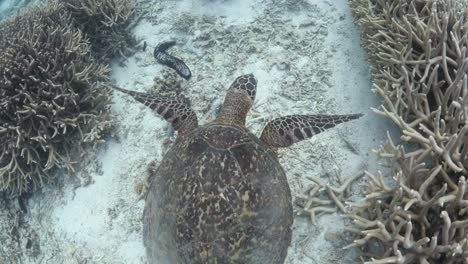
312 201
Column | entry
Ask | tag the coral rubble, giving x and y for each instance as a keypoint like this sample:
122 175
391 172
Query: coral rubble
53 96
418 52
312 202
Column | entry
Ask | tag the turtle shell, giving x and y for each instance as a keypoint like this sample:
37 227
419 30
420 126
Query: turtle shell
218 196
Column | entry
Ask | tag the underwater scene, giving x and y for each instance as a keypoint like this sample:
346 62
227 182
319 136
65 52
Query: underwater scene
233 131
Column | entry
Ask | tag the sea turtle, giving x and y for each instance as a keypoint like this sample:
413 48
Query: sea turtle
220 195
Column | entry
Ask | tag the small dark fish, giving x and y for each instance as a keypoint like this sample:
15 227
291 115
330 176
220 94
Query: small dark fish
175 63
144 45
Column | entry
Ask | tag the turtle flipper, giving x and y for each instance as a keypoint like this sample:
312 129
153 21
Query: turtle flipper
182 118
239 98
286 130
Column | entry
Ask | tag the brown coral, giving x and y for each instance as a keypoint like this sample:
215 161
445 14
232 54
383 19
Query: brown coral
107 24
418 52
52 95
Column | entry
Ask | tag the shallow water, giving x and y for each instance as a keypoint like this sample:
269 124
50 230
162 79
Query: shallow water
307 58
11 7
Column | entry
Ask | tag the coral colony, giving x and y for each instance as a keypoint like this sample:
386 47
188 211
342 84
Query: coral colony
107 24
418 53
54 86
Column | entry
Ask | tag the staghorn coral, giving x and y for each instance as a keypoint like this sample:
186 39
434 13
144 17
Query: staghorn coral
312 202
107 25
418 52
411 222
53 96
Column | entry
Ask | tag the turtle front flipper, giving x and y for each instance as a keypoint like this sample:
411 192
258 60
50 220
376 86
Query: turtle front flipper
287 130
239 98
182 118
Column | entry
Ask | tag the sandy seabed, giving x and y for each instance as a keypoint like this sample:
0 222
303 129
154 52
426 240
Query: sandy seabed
307 58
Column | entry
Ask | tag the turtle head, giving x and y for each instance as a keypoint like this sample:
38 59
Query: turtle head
238 101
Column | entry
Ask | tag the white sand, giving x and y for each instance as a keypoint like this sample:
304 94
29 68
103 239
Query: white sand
307 58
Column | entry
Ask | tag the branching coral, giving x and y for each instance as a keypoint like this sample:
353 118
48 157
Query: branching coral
8 8
312 202
418 52
412 222
52 96
106 23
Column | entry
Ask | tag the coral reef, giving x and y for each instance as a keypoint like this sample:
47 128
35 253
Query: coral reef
418 52
404 222
53 96
421 74
107 25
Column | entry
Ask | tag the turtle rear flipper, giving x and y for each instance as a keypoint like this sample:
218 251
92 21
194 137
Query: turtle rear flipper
287 130
182 118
